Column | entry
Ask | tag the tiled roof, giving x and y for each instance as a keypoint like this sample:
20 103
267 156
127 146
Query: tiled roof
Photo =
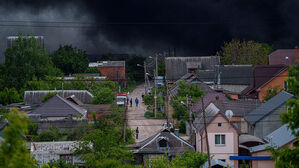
58 107
236 74
239 107
209 97
268 107
279 57
277 139
229 75
263 74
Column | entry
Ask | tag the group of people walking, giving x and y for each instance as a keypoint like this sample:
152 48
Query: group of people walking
136 102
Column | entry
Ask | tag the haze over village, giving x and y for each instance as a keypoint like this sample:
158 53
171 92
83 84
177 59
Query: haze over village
149 84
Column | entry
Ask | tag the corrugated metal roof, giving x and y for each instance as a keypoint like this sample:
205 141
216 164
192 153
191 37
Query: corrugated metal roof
277 139
249 138
36 96
211 112
267 108
107 63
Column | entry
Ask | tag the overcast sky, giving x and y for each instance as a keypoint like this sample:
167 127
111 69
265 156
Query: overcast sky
193 27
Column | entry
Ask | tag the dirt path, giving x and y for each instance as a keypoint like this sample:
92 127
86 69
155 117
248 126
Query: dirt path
135 116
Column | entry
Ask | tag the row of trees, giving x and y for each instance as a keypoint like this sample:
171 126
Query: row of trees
26 60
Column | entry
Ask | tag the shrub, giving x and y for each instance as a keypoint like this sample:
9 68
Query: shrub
103 96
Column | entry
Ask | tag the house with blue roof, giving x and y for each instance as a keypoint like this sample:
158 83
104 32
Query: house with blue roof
279 138
265 119
260 156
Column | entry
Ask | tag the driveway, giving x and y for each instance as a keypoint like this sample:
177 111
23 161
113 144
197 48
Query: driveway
135 116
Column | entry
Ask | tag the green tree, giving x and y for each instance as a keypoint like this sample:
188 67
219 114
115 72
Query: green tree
271 92
161 68
49 135
70 60
93 70
101 144
288 157
27 59
13 151
8 96
185 160
103 96
245 52
190 160
60 163
135 72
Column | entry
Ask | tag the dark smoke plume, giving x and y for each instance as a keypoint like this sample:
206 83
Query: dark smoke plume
194 27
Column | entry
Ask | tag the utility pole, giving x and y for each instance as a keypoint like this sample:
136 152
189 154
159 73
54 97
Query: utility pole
155 97
190 114
206 132
124 121
167 103
144 65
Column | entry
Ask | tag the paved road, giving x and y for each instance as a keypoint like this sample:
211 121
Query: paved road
135 116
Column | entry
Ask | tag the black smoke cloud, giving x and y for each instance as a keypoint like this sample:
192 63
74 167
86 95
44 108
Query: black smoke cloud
193 27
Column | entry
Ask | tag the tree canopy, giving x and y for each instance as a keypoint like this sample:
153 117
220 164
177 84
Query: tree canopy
288 157
70 60
13 151
8 96
245 52
24 60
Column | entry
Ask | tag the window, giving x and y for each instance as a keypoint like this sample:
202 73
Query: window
219 124
223 160
285 85
219 139
163 143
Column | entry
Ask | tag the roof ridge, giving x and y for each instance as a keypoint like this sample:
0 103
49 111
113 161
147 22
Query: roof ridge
72 105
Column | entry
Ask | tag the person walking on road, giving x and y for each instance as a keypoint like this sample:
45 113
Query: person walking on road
136 101
131 101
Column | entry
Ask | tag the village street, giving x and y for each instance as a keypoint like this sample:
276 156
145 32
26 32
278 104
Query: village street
135 116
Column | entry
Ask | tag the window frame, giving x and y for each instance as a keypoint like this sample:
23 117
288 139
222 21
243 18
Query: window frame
221 141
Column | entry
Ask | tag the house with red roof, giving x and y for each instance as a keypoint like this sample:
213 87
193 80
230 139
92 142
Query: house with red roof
284 56
265 76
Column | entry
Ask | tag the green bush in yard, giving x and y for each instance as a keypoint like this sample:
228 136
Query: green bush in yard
103 96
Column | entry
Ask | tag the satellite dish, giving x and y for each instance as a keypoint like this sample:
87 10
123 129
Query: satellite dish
229 114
